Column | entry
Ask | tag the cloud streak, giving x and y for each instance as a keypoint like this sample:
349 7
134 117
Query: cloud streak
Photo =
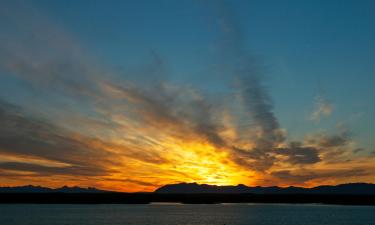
323 109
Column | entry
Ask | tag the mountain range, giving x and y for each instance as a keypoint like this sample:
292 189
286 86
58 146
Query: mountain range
39 189
194 188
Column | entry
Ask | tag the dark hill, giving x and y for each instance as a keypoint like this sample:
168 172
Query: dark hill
39 189
346 194
193 188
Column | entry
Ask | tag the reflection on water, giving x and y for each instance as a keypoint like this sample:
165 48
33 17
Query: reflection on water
179 214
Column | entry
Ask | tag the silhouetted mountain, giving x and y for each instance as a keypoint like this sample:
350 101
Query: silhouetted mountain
346 194
39 189
193 188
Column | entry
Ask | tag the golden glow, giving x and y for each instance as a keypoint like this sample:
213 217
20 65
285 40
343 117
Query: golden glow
149 157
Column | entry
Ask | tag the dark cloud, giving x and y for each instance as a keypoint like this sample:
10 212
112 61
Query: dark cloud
303 176
255 159
325 141
335 140
298 154
260 107
53 170
263 159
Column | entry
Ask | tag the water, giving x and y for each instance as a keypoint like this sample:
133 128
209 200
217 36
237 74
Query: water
178 214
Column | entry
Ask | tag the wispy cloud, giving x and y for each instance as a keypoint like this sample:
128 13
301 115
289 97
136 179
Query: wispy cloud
322 109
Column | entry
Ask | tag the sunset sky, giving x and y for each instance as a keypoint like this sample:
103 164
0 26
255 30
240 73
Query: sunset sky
133 95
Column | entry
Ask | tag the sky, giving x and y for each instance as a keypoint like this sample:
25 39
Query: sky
133 95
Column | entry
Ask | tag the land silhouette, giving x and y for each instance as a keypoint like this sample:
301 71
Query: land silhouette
194 188
350 194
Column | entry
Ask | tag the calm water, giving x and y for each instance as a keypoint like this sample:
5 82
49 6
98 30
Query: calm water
176 214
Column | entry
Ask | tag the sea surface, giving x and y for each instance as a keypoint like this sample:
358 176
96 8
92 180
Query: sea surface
179 214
